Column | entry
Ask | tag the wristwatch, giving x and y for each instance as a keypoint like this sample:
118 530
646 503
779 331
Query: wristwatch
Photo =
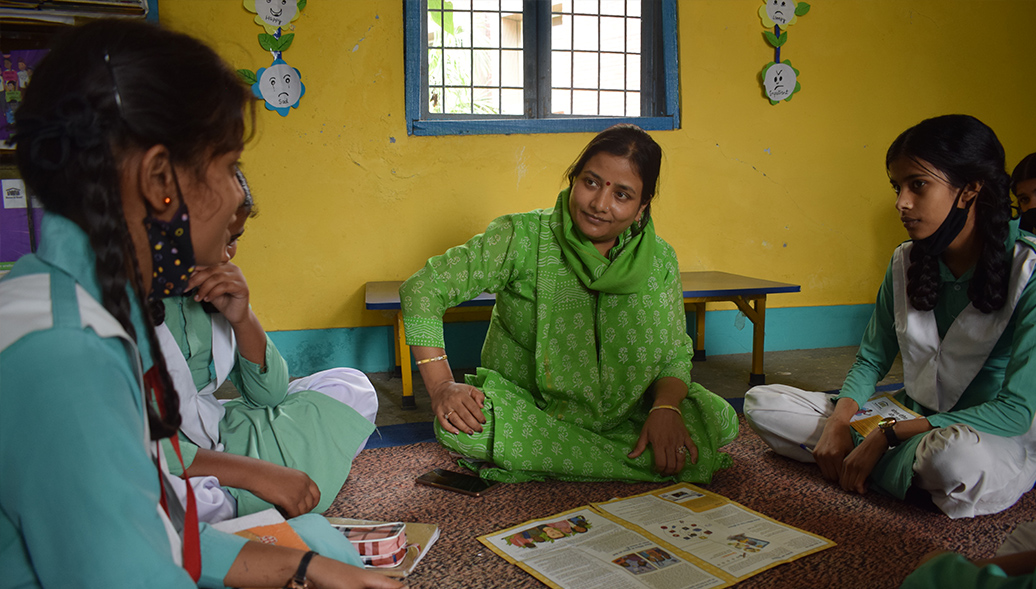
886 426
299 580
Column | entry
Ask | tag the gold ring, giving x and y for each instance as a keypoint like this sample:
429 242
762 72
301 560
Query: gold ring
447 416
682 450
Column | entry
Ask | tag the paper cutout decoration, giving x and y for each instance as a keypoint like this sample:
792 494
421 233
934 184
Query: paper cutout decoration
280 85
782 13
274 14
780 81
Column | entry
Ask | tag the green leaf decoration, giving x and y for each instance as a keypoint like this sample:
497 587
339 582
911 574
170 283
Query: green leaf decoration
267 42
800 9
783 39
285 41
771 38
247 75
302 5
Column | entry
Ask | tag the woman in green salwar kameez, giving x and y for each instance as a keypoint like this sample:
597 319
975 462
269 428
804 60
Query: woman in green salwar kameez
586 368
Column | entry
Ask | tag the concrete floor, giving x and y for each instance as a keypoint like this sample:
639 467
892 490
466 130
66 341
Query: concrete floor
821 369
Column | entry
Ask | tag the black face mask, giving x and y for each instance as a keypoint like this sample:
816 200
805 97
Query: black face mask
1027 221
936 243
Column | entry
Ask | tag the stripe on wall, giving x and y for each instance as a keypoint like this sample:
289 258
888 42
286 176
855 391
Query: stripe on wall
370 349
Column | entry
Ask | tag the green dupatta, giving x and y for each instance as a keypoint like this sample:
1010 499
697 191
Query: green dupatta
628 264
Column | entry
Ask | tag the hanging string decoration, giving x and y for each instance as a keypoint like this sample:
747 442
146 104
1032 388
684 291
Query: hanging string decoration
279 85
779 79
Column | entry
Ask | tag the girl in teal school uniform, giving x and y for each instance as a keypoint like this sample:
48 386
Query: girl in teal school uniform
959 304
137 177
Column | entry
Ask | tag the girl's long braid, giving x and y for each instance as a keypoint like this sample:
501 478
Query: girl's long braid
923 279
988 289
105 225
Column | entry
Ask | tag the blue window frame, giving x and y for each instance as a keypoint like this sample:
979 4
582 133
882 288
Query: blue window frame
653 98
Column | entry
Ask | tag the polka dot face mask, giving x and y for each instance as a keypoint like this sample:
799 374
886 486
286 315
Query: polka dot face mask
172 255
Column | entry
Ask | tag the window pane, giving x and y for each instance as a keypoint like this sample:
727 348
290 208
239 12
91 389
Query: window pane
616 7
584 33
435 28
613 34
435 99
460 4
585 6
613 104
460 36
633 72
458 67
458 101
486 5
487 101
487 68
633 104
561 32
511 31
486 30
511 5
633 7
560 102
633 35
584 102
435 67
584 70
512 72
513 102
561 69
613 74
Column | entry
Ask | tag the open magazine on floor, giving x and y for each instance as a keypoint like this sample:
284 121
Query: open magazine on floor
677 537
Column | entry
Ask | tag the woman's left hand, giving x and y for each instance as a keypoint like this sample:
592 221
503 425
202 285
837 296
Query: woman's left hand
667 434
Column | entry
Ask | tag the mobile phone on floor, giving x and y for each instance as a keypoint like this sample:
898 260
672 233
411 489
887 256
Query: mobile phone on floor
456 481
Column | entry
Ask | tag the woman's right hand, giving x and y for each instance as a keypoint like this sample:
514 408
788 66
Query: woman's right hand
834 445
458 407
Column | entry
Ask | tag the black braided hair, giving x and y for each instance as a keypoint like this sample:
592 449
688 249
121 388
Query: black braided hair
965 150
106 90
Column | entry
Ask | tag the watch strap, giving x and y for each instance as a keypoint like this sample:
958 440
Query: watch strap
299 580
888 428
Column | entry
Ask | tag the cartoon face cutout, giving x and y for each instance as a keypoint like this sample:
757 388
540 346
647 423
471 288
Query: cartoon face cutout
779 11
280 85
276 12
779 81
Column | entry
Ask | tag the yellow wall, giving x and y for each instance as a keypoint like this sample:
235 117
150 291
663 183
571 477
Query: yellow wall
795 192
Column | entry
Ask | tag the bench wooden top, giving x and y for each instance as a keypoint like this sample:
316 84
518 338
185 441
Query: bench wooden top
385 295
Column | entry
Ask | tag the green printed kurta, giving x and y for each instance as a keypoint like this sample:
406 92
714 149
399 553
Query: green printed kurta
565 368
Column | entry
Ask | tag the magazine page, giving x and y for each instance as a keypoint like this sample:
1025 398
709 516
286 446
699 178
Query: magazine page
724 537
876 409
587 549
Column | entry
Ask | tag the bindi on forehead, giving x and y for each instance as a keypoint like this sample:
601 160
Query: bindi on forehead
607 183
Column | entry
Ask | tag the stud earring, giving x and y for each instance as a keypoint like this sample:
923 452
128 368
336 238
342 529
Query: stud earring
167 200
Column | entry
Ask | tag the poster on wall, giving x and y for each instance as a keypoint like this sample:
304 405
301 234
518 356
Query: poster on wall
20 218
18 66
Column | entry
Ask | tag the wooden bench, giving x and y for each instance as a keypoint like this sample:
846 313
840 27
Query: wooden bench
699 289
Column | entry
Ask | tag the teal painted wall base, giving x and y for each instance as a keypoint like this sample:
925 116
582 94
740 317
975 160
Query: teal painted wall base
370 349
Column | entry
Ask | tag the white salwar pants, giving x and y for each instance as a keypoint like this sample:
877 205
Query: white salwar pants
346 385
967 472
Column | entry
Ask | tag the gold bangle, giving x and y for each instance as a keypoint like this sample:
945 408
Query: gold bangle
673 407
427 360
